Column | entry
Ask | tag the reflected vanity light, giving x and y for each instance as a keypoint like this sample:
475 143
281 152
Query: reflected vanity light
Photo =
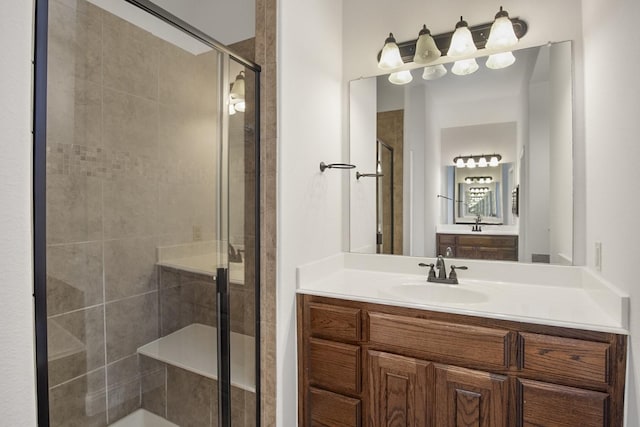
477 160
434 72
478 180
503 33
400 77
236 95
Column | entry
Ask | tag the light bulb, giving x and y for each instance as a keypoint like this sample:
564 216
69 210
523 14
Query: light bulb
400 77
390 56
471 163
502 35
462 43
434 72
481 181
465 67
426 49
460 162
482 162
494 161
500 60
489 180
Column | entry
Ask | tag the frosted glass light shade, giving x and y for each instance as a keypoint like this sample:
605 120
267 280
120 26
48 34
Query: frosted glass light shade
232 110
434 72
471 163
502 35
465 67
237 89
390 56
500 60
240 106
400 77
482 163
462 43
426 49
494 161
460 163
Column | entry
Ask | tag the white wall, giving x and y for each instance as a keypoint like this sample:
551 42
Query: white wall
310 206
17 366
612 103
362 137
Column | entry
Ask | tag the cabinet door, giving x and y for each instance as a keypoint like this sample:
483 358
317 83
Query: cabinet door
469 252
468 398
400 391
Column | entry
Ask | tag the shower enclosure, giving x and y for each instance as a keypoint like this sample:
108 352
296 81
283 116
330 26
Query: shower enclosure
146 220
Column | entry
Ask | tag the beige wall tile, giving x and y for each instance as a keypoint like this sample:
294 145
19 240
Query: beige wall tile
79 403
130 208
191 398
123 388
129 267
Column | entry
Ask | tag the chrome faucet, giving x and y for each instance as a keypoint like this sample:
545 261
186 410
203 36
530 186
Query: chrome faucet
442 272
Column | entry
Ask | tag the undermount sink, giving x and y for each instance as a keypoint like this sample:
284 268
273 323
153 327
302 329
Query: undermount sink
436 293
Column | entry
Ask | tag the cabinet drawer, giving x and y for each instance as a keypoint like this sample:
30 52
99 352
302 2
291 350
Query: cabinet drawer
333 322
447 239
542 404
334 366
488 241
564 357
442 341
330 409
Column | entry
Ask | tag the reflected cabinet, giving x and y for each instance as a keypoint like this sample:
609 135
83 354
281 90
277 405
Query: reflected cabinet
374 365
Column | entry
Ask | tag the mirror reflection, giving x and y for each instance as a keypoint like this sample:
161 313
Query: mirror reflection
475 166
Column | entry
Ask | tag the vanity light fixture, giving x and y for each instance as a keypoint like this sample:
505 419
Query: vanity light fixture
426 49
433 72
477 160
390 57
400 77
463 42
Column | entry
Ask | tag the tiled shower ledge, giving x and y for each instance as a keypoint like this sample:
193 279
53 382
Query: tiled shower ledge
194 348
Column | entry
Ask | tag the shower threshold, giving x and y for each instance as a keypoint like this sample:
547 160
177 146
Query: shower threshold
142 418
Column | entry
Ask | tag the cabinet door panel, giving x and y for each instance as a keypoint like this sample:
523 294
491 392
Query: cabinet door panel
543 404
468 398
400 391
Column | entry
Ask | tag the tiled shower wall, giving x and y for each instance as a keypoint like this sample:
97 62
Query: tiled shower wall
131 155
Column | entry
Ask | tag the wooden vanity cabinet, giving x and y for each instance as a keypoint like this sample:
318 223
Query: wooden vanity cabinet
362 364
478 246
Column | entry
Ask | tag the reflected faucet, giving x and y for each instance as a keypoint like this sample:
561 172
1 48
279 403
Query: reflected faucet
235 255
477 226
442 272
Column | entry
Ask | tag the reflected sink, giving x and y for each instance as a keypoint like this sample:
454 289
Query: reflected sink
436 293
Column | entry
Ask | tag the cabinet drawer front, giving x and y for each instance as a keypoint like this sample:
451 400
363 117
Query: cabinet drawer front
488 241
447 239
333 322
330 409
334 366
442 341
564 357
543 404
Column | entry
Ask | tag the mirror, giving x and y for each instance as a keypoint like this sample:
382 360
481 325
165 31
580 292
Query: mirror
404 203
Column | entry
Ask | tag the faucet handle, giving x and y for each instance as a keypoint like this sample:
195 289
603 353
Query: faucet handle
452 275
459 267
432 272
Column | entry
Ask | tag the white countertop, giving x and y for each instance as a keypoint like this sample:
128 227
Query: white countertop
562 296
488 229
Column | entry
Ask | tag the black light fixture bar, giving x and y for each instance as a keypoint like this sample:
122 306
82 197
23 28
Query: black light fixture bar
480 35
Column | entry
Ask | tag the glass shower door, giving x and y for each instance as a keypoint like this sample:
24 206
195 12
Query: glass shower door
151 223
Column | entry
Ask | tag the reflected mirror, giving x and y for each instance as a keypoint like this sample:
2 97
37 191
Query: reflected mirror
481 167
